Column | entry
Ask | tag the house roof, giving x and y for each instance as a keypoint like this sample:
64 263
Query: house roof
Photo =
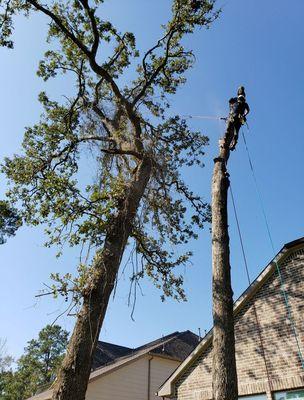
166 390
108 352
178 347
175 346
110 357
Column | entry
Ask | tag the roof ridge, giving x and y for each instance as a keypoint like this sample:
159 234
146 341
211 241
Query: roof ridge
139 350
113 344
159 341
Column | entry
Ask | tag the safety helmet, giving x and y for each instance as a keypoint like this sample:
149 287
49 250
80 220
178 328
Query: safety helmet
241 91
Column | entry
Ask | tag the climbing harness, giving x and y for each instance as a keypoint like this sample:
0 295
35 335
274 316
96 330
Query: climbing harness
281 278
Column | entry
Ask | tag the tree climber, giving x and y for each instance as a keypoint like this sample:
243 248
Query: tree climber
238 111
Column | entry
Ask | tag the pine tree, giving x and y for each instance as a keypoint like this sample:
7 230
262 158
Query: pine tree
38 366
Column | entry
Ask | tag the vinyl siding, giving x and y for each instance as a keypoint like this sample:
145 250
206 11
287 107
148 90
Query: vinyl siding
130 382
161 369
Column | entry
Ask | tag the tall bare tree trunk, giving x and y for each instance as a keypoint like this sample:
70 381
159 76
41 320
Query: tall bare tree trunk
224 374
72 379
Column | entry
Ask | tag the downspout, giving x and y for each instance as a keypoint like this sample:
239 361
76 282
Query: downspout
149 378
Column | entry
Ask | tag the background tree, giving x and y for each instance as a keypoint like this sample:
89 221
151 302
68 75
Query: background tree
137 196
38 366
5 359
5 365
10 221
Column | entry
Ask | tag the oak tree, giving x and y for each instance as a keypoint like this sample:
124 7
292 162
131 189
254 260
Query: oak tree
135 196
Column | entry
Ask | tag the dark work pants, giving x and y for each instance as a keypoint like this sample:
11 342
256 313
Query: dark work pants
232 133
237 127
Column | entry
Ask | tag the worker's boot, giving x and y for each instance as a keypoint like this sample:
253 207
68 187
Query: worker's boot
234 142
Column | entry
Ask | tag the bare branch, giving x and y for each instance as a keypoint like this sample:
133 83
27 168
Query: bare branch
150 81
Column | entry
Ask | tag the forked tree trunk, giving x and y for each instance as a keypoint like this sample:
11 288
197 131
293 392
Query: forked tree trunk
73 376
224 374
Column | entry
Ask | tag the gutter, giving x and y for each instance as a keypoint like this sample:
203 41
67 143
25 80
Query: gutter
149 377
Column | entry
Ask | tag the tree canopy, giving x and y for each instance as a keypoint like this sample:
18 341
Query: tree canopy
120 125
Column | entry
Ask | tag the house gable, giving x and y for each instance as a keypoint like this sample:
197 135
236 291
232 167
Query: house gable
266 354
115 360
134 380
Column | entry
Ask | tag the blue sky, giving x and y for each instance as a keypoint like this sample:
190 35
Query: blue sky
254 43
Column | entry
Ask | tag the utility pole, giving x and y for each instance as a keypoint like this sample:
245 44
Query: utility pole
224 373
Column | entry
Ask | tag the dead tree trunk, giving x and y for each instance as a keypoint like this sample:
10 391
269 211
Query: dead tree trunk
72 380
224 374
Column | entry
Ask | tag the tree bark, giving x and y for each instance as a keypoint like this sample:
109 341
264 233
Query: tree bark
72 379
224 374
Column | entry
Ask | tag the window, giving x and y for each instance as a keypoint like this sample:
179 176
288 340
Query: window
255 397
292 395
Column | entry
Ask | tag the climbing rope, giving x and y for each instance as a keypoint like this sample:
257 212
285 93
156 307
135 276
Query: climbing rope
204 117
284 293
281 278
240 235
249 283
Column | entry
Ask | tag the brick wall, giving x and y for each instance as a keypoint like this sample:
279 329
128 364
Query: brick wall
278 367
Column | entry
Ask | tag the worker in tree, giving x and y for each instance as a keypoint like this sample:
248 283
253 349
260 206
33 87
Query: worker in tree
238 111
233 100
